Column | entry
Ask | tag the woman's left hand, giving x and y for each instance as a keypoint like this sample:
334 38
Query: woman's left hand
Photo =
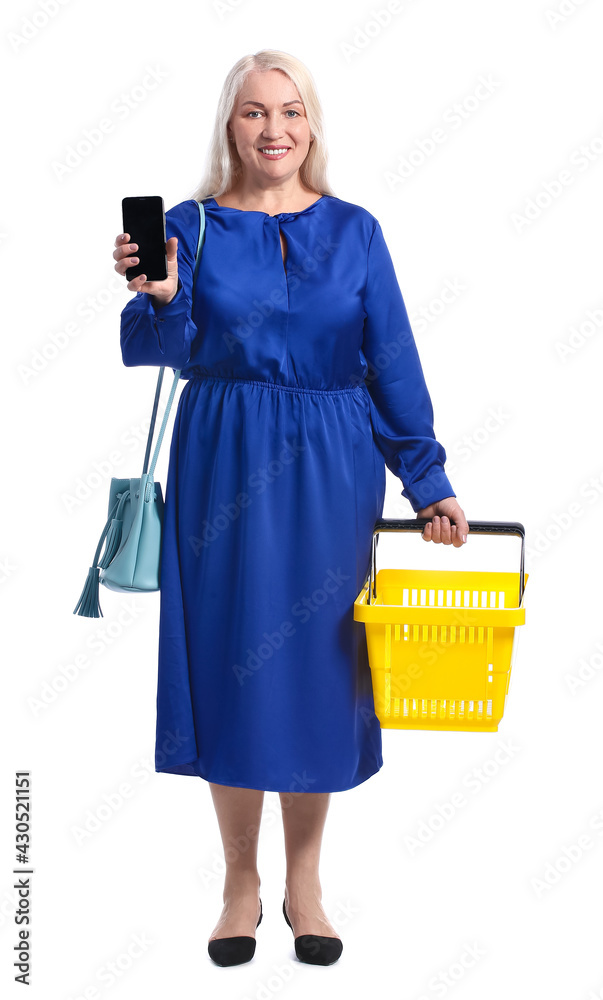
440 527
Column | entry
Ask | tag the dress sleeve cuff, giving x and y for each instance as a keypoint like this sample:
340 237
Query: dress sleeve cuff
429 490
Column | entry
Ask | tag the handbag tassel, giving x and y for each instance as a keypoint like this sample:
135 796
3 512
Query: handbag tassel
88 605
114 536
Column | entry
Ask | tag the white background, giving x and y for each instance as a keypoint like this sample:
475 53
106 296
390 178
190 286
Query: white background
530 285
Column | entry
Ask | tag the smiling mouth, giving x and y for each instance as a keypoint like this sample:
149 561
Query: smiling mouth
274 151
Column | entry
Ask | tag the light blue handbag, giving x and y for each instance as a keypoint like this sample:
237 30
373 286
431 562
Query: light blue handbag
131 562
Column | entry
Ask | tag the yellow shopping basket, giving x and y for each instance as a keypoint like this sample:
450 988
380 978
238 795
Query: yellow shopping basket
440 644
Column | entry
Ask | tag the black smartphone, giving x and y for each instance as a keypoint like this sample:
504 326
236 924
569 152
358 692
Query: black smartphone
144 220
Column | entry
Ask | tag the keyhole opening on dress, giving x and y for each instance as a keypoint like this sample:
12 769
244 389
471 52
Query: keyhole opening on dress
283 248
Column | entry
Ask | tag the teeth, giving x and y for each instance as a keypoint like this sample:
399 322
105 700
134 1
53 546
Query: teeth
274 152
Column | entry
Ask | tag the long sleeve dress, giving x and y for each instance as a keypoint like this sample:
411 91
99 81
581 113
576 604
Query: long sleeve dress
302 382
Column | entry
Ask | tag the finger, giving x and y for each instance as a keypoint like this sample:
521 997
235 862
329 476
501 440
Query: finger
123 251
136 284
122 244
122 265
126 257
426 533
457 538
445 530
171 248
462 527
436 533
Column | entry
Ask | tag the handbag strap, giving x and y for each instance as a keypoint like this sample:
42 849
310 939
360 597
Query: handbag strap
177 373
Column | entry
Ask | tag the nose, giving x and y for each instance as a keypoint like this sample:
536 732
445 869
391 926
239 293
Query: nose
271 129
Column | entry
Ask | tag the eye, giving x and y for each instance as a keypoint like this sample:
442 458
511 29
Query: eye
290 111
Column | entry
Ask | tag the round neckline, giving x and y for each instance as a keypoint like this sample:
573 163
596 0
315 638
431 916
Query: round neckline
254 211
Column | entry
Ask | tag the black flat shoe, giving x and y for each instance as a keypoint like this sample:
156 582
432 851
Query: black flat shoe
233 950
315 949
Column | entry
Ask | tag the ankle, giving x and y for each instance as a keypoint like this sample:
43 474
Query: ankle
240 882
303 884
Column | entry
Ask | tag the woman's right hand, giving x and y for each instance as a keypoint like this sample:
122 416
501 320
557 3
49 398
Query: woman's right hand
162 291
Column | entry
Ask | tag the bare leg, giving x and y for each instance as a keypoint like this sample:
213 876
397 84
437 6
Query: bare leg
239 812
304 817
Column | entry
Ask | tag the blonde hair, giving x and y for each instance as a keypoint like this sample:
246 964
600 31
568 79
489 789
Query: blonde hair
223 166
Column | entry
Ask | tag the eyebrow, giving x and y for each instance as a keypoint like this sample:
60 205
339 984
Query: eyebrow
260 105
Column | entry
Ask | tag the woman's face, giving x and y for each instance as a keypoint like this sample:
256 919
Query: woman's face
269 112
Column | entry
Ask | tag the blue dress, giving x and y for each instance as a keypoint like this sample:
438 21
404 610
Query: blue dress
303 381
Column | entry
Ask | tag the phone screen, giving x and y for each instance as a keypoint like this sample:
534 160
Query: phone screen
144 220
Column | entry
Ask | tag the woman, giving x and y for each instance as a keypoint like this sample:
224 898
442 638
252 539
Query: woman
303 382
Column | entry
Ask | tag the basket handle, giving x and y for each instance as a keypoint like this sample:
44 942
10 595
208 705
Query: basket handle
418 523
